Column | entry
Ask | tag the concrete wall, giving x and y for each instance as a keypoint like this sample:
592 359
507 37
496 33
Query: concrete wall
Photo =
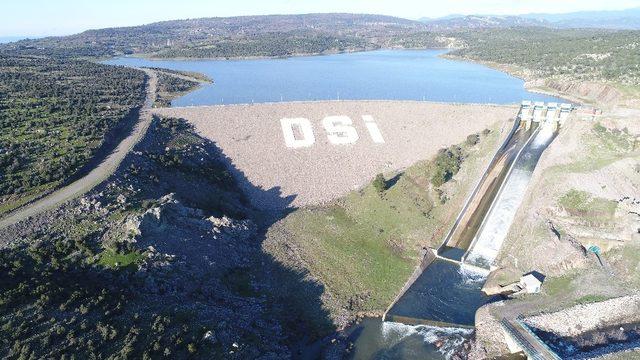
428 257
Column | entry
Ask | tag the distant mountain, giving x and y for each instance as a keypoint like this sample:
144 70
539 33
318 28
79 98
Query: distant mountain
623 19
481 22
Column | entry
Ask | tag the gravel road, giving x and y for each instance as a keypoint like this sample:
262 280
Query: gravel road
99 173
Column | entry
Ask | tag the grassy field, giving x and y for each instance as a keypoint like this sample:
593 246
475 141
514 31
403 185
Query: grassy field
112 259
364 246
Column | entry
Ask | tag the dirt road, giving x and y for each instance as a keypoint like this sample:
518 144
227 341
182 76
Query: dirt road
99 173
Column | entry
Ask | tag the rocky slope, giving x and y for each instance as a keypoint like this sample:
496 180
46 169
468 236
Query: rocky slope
582 200
144 266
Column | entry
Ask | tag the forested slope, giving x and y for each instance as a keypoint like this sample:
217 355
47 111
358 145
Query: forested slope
54 116
582 54
246 36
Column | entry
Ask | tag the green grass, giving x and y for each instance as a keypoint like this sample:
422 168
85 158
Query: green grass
112 259
368 243
582 203
626 261
601 147
589 299
557 286
630 91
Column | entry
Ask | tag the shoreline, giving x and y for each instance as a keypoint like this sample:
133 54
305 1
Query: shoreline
344 101
151 57
507 69
514 71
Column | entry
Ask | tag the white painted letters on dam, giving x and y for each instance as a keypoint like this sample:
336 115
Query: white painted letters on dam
339 129
374 132
305 129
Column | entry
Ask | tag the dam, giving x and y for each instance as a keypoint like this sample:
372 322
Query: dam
446 290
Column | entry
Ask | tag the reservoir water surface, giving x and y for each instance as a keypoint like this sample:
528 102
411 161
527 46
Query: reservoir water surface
375 75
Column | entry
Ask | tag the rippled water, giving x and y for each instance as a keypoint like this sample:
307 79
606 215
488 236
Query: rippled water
375 339
444 292
386 74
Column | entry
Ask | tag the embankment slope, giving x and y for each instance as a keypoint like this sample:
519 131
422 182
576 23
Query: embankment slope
252 137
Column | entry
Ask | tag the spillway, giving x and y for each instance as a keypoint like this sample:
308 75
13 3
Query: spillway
448 291
495 226
470 218
435 311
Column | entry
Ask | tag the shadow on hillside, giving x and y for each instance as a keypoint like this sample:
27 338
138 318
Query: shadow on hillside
293 300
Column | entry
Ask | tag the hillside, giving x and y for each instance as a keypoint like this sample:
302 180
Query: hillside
628 19
247 36
144 268
55 116
481 22
578 54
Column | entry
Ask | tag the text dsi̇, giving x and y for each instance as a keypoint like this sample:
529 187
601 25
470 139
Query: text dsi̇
339 130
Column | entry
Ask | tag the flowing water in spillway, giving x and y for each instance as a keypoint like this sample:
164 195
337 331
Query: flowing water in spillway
492 233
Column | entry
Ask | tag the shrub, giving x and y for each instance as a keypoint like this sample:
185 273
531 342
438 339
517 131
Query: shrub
447 164
472 139
379 183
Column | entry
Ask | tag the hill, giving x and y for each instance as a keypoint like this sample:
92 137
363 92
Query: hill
628 19
579 54
621 19
55 116
247 36
481 22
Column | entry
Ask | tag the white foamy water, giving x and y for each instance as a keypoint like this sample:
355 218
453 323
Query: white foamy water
496 225
472 274
447 340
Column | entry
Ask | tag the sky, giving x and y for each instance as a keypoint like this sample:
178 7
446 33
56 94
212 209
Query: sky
62 17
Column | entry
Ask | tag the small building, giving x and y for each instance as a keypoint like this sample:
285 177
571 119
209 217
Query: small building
530 283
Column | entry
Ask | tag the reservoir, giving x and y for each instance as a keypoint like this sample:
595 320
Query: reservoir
376 75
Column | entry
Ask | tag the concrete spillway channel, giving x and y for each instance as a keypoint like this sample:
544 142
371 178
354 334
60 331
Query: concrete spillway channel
446 289
467 223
